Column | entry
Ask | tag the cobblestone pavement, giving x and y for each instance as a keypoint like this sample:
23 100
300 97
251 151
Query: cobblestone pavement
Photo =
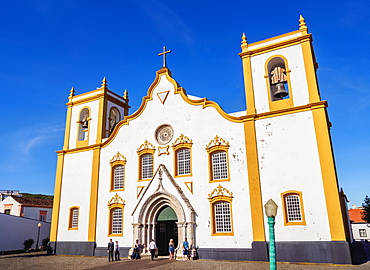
40 261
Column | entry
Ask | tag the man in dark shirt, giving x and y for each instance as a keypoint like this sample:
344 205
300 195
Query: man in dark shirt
110 250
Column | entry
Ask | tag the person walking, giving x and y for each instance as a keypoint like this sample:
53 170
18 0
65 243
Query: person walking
110 250
116 251
186 251
152 248
171 249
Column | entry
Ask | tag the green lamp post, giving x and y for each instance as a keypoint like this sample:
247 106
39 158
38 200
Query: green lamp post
271 210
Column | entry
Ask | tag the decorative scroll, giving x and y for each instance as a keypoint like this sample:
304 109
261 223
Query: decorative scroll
220 191
217 141
118 157
182 139
116 199
145 146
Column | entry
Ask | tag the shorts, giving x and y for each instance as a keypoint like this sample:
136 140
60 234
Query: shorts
171 249
185 252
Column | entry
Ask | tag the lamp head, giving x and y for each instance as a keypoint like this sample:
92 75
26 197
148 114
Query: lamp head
39 225
271 208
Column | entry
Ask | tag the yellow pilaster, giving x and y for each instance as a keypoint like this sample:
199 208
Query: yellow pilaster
56 202
67 132
328 172
91 235
309 62
258 227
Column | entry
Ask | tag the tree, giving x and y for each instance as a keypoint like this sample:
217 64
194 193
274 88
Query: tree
366 207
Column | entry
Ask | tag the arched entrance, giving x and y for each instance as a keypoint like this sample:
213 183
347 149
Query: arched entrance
166 229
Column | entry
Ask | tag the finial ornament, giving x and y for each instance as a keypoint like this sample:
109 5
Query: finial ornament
72 92
244 45
164 55
302 23
104 82
125 94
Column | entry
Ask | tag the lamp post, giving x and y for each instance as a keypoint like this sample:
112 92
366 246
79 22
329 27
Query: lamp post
271 210
38 234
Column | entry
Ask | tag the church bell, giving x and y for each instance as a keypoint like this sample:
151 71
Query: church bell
85 124
280 91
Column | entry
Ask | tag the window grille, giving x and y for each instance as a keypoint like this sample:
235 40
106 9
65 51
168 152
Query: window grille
222 217
293 208
219 165
117 221
183 161
147 166
74 223
119 176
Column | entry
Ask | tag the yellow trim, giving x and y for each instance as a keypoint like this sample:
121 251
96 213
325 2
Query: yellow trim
275 46
91 235
328 173
189 185
245 118
213 201
83 143
56 202
142 153
274 38
67 133
96 95
71 217
111 208
310 68
284 103
248 84
255 196
102 117
117 160
285 211
139 189
211 150
176 148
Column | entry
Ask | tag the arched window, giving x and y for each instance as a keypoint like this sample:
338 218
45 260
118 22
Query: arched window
83 127
218 159
221 214
118 164
278 83
116 205
293 208
113 119
73 218
146 162
182 147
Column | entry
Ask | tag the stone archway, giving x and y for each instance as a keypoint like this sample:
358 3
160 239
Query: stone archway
145 228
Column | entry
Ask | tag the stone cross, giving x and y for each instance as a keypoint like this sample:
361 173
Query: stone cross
164 56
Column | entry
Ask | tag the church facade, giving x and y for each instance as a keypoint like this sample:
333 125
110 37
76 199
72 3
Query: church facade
180 167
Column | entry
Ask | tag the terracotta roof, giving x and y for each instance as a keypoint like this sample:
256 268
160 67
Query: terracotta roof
33 202
355 215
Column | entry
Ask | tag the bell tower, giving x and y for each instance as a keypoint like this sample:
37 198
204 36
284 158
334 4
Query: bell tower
92 116
280 72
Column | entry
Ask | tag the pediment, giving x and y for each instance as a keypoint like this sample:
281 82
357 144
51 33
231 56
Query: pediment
164 184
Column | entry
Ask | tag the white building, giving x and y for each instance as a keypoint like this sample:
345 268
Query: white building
181 167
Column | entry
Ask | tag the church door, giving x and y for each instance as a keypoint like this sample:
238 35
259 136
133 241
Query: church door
166 229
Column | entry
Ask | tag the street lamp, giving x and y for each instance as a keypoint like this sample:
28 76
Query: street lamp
271 210
38 234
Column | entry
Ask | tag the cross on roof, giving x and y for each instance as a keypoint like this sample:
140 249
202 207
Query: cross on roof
164 56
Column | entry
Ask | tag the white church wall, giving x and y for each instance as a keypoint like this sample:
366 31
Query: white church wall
75 192
283 168
298 86
189 120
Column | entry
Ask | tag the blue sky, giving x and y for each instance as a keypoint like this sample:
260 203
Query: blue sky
46 47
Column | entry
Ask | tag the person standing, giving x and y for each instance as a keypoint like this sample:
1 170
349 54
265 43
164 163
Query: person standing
152 248
116 251
171 249
110 250
186 251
